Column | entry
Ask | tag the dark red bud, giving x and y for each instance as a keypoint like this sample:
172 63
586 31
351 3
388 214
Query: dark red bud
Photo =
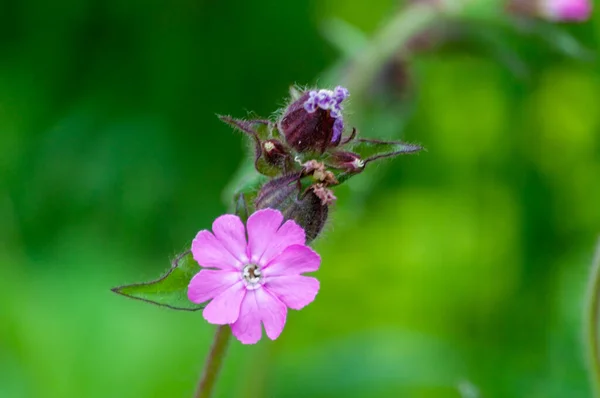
279 192
310 213
314 121
307 209
347 161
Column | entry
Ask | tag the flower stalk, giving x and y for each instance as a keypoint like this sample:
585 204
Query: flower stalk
592 320
213 363
392 38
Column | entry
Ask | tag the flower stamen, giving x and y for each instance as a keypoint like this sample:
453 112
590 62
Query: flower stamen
252 276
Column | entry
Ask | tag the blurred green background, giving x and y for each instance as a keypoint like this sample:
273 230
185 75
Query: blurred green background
459 272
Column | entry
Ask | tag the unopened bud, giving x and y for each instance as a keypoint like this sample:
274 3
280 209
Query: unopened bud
347 161
314 122
279 193
307 209
309 213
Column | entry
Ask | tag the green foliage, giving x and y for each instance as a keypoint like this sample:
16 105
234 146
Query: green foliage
170 290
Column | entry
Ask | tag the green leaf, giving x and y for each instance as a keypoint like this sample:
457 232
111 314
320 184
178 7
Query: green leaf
370 150
170 290
345 37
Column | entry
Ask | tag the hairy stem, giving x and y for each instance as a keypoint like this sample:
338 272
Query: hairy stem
213 363
592 319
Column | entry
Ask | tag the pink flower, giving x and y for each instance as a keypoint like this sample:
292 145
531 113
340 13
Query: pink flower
567 10
253 281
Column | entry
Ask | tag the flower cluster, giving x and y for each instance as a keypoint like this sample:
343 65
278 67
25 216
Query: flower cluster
305 154
248 271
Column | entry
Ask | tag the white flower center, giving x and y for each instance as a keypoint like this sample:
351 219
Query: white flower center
252 276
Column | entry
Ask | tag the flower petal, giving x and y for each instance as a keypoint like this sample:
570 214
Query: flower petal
207 284
259 306
295 291
247 328
273 312
230 231
262 227
225 308
209 252
288 234
294 260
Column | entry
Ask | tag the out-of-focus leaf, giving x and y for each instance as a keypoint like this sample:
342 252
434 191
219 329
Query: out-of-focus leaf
170 290
345 37
370 150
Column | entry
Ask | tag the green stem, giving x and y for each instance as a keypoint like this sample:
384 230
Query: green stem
592 319
388 41
213 362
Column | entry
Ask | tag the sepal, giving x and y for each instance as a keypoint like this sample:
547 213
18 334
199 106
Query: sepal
370 150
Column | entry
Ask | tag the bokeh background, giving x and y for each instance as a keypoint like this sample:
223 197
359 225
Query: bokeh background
459 272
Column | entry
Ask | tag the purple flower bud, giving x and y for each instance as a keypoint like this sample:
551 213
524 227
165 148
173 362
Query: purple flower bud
307 209
279 193
310 213
314 122
347 161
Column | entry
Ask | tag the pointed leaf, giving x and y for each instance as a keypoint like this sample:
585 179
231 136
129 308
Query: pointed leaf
243 206
344 37
170 290
259 128
370 150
